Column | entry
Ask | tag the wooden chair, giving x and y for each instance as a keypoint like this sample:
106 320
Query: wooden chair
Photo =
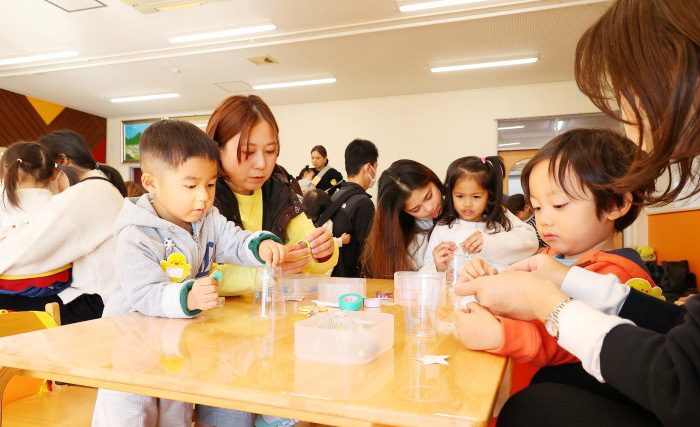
68 405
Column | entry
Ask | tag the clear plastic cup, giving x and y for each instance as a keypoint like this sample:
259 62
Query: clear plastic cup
268 300
419 294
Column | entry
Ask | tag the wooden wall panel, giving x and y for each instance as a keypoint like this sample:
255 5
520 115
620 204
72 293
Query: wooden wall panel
19 121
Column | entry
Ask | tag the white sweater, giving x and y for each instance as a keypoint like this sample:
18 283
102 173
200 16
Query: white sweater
416 249
76 226
500 249
32 201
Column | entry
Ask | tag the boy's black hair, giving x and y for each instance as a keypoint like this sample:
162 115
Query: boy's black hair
173 142
489 173
358 153
315 202
515 203
595 157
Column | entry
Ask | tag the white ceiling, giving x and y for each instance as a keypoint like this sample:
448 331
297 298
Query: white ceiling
368 45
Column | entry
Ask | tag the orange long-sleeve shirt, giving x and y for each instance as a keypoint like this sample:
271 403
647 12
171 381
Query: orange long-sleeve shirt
529 342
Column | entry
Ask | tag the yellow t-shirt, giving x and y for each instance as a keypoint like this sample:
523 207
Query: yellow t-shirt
237 279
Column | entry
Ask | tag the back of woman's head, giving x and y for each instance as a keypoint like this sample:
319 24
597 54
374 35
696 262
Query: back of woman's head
68 145
515 203
238 114
488 172
315 202
29 158
644 56
386 248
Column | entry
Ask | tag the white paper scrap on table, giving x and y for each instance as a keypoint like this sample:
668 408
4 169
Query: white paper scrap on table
431 360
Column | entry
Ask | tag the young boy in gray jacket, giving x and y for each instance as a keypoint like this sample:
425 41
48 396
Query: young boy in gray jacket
166 243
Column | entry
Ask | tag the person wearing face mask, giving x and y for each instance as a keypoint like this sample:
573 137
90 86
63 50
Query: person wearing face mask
352 197
408 200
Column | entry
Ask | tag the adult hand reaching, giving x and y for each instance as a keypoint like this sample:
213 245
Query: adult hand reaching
517 295
546 266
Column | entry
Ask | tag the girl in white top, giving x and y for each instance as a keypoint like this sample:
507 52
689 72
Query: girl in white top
409 198
474 218
76 227
26 173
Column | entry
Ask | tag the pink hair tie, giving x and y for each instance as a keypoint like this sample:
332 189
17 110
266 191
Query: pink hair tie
483 160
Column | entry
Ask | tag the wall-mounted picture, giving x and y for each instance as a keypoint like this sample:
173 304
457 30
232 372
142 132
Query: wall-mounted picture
131 134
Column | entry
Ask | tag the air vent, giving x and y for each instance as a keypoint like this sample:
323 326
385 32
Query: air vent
76 5
153 6
235 87
262 60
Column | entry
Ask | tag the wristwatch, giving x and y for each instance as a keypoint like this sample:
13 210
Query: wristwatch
551 322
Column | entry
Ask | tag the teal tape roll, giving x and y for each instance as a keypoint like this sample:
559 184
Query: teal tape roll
352 302
216 276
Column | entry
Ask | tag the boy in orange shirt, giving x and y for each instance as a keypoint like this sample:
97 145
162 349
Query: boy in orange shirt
578 220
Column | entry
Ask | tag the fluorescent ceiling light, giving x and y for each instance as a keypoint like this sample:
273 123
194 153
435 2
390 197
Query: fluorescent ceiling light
223 33
201 125
508 144
41 57
434 4
484 65
299 83
145 97
511 127
560 124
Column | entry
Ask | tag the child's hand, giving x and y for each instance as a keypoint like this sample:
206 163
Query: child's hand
203 294
441 254
321 241
474 243
345 238
478 329
272 252
476 267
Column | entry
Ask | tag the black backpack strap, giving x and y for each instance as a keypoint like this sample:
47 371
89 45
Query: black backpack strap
338 203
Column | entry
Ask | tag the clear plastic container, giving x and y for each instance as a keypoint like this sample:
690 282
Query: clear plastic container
314 340
419 294
300 284
268 301
331 288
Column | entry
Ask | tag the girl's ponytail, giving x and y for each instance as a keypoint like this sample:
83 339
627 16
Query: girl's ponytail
32 159
11 180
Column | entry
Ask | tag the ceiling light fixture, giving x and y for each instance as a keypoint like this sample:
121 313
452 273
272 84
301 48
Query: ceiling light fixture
478 65
508 144
560 124
412 7
223 33
511 127
145 97
40 57
298 83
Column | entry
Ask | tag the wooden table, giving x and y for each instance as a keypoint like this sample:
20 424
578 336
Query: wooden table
227 358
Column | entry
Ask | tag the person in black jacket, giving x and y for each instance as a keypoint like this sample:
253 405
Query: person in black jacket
645 351
353 200
325 177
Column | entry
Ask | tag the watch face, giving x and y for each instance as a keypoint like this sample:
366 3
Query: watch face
552 327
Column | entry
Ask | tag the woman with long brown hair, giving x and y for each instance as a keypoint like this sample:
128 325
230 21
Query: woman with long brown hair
643 56
410 197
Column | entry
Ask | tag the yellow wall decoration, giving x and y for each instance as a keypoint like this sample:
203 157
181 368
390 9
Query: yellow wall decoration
47 110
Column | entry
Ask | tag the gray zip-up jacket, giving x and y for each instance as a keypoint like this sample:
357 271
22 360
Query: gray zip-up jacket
157 261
